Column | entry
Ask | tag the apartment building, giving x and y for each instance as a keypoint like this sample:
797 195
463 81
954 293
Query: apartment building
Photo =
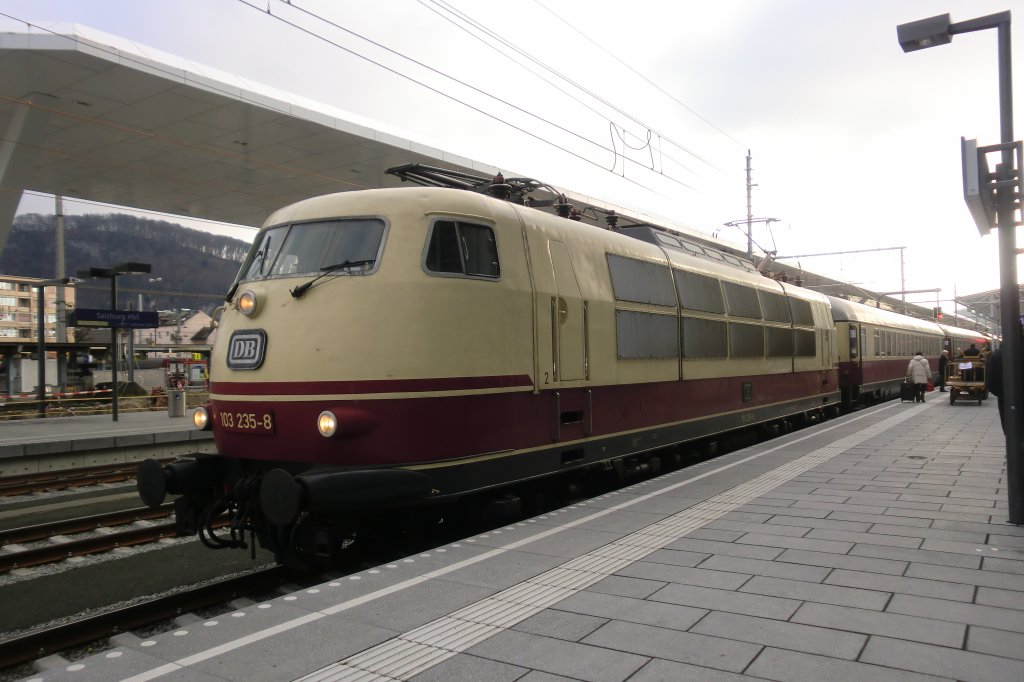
19 309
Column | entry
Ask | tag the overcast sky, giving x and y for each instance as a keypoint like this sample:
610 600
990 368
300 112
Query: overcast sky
855 144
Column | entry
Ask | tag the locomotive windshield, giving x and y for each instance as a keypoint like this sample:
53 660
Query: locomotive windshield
308 248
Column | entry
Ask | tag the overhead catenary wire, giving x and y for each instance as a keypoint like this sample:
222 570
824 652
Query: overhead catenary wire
441 93
497 37
645 78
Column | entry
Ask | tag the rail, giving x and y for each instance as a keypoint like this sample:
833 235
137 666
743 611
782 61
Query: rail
23 484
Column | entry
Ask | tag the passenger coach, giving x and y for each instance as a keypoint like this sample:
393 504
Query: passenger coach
875 347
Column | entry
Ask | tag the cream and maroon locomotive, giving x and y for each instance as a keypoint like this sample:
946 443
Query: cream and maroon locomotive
393 349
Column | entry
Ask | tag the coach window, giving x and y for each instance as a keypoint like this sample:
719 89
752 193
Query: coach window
459 248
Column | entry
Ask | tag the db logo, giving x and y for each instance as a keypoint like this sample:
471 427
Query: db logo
246 349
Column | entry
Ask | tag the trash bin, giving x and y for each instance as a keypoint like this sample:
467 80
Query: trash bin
175 403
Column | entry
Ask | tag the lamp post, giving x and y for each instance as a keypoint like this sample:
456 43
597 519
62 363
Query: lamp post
938 30
41 338
111 273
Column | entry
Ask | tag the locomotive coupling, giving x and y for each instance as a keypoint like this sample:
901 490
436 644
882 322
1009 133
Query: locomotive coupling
188 475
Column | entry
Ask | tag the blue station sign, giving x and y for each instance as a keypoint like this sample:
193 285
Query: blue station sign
131 319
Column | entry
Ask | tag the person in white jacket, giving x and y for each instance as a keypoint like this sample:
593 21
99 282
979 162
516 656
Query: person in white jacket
918 373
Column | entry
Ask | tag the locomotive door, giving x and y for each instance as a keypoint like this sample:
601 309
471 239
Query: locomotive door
567 322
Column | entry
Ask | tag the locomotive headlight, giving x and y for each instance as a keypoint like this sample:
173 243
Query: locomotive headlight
247 303
327 424
201 418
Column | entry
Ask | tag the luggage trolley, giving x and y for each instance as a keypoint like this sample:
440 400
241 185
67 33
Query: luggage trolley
965 380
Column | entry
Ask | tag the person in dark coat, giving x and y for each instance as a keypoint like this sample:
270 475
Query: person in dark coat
943 361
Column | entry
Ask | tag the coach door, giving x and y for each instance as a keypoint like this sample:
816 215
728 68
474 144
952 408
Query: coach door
568 325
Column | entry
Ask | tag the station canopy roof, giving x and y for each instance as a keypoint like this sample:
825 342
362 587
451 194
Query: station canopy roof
88 115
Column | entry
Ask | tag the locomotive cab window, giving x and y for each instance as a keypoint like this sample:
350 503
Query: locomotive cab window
460 248
343 246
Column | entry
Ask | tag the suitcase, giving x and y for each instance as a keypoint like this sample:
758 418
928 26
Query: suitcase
907 391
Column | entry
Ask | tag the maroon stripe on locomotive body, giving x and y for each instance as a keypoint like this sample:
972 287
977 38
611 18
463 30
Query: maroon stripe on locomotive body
421 430
314 388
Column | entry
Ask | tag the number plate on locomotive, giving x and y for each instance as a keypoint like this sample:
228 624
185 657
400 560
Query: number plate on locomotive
247 421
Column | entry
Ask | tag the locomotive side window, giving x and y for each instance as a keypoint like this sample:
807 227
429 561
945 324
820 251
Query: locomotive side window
805 343
460 248
646 335
704 338
801 311
779 342
775 306
699 292
746 340
742 300
640 282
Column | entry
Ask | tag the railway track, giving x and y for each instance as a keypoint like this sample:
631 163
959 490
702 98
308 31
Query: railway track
27 484
34 645
94 544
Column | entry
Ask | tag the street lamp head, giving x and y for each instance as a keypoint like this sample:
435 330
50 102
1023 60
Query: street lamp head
95 273
132 268
56 282
923 33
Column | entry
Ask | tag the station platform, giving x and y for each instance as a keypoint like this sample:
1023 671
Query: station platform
34 445
871 547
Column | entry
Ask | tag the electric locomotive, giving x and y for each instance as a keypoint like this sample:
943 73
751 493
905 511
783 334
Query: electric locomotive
394 348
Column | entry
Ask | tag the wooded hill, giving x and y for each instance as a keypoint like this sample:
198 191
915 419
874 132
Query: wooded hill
195 268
